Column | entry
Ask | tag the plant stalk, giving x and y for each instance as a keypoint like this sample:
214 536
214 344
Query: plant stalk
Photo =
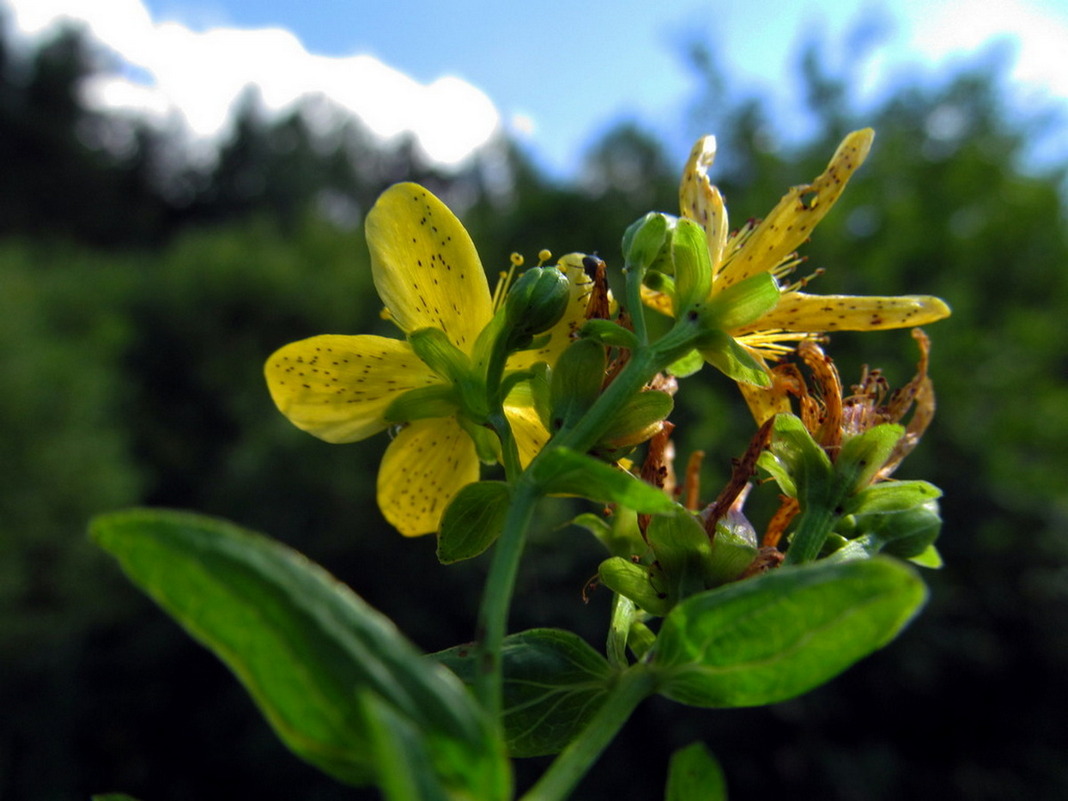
634 685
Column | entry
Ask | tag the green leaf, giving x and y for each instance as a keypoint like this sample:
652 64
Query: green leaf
606 332
724 353
695 775
687 365
473 520
405 769
562 471
554 682
575 382
304 646
776 636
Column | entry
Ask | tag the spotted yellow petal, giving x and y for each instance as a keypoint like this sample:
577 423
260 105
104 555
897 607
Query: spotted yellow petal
425 266
792 220
798 311
337 387
530 435
423 468
564 332
702 202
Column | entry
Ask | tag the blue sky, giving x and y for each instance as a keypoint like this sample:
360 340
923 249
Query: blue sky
555 72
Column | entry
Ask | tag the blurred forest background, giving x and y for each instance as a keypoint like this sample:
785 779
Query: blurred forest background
141 290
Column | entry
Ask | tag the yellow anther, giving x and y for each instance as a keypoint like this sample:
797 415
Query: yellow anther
517 260
543 256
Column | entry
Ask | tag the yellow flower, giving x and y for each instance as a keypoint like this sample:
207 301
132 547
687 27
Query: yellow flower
769 246
340 387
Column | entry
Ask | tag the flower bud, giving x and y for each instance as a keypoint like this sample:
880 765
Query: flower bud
648 241
535 303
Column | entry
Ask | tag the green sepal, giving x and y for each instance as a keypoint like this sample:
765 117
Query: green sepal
687 365
554 683
888 497
304 646
562 471
863 455
907 534
641 639
695 775
783 633
619 534
683 554
642 584
929 558
434 347
487 445
660 281
437 400
608 333
473 520
732 553
575 382
693 266
741 304
798 464
723 352
637 421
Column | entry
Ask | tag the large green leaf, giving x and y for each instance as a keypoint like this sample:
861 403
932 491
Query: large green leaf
307 649
554 682
773 637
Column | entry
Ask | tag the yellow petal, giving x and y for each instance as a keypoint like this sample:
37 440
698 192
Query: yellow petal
530 435
798 311
423 468
564 332
425 266
702 202
659 301
338 387
764 402
792 220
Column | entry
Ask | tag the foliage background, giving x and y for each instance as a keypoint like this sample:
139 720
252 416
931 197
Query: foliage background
140 294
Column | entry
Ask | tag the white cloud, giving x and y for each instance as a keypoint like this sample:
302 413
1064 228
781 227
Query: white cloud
1038 35
197 75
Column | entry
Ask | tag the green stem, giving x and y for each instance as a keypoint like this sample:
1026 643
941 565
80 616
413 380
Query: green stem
645 362
634 685
634 303
497 596
816 523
